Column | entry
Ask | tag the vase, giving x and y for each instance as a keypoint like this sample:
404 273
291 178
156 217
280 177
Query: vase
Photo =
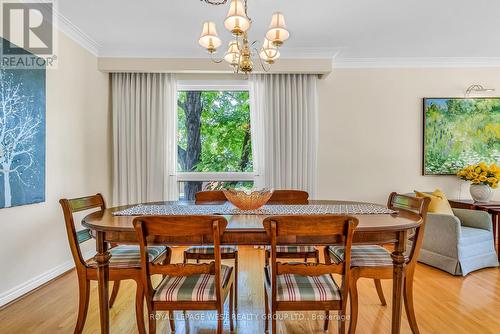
481 192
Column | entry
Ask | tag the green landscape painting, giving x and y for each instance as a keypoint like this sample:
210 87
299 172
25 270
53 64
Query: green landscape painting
460 132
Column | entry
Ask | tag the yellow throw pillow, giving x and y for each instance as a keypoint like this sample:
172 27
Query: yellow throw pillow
439 203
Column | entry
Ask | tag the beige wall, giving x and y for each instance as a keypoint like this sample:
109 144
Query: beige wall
371 130
34 246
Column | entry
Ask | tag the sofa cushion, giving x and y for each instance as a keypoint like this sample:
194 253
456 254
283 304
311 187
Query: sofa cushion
439 203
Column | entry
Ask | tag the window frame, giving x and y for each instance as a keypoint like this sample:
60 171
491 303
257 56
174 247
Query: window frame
212 85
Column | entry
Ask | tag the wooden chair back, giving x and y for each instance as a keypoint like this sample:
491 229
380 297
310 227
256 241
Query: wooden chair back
286 196
399 202
177 229
203 197
75 238
303 230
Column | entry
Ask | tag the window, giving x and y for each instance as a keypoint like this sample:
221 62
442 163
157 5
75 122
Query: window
214 146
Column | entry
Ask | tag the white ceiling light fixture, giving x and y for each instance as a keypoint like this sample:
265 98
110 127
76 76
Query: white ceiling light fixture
240 51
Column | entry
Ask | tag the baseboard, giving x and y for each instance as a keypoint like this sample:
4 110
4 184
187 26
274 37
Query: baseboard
24 288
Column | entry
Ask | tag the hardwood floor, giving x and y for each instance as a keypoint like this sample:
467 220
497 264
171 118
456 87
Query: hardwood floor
443 303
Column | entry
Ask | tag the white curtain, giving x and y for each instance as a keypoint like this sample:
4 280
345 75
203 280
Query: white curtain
144 137
284 123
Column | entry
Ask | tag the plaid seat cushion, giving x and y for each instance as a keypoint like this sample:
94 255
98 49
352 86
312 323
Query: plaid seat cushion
126 256
363 255
293 249
210 249
296 288
190 288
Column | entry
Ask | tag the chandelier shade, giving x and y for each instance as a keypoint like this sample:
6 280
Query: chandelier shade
269 52
236 20
232 55
277 32
209 39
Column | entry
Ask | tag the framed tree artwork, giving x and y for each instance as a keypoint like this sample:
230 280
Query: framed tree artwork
459 132
22 136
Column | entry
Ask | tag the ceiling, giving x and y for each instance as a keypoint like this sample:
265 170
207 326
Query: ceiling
348 30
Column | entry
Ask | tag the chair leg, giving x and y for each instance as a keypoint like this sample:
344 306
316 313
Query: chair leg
114 293
220 323
327 321
408 300
83 303
152 322
267 255
231 308
274 324
316 256
236 282
353 298
171 320
139 308
266 310
342 321
380 292
185 257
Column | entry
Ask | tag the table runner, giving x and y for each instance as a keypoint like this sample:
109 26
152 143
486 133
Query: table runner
229 209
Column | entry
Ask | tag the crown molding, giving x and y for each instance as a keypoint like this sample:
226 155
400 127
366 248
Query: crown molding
416 62
286 53
63 24
76 34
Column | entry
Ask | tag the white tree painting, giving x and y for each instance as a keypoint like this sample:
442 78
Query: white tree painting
22 132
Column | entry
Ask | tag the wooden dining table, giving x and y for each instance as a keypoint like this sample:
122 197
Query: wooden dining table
248 230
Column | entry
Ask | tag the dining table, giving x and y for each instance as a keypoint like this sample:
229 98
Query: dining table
247 229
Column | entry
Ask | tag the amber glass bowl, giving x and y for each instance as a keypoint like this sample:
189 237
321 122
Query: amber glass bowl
244 200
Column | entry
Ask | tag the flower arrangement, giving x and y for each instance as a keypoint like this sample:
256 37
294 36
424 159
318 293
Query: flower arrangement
481 173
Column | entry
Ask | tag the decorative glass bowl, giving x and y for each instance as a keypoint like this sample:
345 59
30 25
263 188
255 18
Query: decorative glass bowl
246 200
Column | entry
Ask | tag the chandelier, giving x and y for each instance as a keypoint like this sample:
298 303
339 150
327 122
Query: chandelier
240 51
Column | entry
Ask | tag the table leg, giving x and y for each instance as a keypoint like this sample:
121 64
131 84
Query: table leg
495 218
398 278
102 258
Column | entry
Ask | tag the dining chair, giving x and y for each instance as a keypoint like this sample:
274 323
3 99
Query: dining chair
288 197
124 262
375 261
307 286
185 286
207 252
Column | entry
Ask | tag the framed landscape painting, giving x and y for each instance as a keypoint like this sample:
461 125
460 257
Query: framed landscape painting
460 132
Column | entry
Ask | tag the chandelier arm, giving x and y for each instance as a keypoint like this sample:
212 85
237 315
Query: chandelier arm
215 60
246 11
261 62
216 2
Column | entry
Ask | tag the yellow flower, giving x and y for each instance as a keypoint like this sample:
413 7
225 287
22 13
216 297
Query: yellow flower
476 181
493 168
477 170
483 165
482 178
492 180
